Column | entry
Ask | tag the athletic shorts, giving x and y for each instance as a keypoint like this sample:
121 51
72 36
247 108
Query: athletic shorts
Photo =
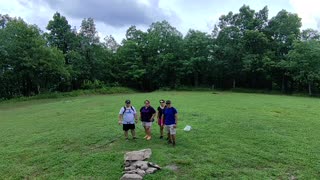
160 122
126 127
170 129
146 124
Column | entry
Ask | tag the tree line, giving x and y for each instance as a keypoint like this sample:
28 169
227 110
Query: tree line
246 49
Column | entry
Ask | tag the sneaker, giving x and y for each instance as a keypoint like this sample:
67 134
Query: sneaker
161 137
174 144
134 138
169 142
148 138
127 139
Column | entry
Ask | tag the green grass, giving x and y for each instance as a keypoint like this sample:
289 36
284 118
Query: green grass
234 136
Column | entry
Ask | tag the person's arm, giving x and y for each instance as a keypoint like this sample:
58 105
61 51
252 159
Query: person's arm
120 119
157 113
176 120
153 115
136 118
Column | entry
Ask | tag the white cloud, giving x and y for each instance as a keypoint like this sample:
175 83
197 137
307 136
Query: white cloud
185 14
308 10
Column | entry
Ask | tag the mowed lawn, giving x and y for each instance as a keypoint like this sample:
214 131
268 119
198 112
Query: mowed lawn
233 136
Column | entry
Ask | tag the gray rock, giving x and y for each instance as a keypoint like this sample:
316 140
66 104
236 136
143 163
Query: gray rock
132 172
154 165
138 155
127 163
151 170
141 172
130 168
144 167
141 164
131 177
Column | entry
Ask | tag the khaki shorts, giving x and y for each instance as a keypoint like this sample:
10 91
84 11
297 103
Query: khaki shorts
146 124
170 129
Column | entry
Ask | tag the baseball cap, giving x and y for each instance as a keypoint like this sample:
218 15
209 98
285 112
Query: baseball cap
168 102
128 101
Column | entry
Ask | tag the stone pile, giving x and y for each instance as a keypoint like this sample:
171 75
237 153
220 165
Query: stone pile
136 166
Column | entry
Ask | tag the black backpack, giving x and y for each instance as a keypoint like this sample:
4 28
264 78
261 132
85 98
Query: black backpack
125 108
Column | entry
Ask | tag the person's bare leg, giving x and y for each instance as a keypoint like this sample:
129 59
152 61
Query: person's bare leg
133 133
145 131
169 138
149 133
126 134
173 137
161 131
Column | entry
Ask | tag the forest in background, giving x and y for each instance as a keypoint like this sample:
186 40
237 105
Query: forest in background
246 49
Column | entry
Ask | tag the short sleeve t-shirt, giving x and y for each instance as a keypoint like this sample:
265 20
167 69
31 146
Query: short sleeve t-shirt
160 111
146 113
169 114
128 114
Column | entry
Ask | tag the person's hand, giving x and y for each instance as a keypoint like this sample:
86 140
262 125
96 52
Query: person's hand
136 120
175 126
119 122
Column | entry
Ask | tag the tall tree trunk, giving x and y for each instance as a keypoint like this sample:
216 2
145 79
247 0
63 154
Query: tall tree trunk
196 79
283 87
310 88
271 85
234 83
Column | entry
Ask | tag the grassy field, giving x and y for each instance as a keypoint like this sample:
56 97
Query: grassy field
234 136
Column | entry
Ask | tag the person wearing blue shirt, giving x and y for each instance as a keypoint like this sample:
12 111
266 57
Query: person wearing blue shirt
170 116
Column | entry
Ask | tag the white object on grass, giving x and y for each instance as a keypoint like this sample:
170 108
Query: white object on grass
187 128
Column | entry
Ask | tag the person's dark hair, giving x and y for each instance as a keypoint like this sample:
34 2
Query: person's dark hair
162 101
147 101
168 102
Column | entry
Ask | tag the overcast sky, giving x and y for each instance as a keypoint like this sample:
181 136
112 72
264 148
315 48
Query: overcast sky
115 16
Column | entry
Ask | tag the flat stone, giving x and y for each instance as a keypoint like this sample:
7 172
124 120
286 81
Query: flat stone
151 170
154 165
130 168
139 164
127 163
132 172
131 177
138 155
141 172
144 167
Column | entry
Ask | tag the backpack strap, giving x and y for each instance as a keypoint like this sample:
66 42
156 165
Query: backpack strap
124 110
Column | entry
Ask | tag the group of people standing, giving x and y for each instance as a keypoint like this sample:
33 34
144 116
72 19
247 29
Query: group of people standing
166 114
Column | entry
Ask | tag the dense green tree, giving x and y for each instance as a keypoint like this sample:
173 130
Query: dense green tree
305 62
27 63
196 48
283 30
60 34
164 49
246 49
